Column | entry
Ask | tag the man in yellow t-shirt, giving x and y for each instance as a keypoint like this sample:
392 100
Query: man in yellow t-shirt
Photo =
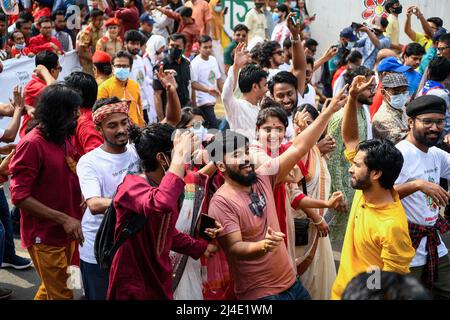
394 8
122 87
377 232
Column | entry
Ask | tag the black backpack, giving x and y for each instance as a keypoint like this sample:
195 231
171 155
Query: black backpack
105 246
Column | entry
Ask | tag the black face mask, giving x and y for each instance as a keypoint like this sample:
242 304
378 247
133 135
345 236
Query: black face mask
398 10
175 54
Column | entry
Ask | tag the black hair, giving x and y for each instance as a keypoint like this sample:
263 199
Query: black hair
187 114
437 21
393 286
58 13
104 68
250 75
41 20
358 71
287 43
225 142
266 52
282 77
3 17
304 8
311 43
48 59
310 60
445 39
25 16
384 22
414 49
96 13
56 112
178 36
283 8
186 12
354 56
382 155
309 108
122 54
103 102
15 32
388 5
271 108
150 141
255 52
85 84
20 23
204 39
241 27
135 36
175 6
439 69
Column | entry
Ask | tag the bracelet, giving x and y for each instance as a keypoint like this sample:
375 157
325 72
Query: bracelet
317 223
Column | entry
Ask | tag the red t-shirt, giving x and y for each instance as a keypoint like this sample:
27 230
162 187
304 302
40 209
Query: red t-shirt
377 101
39 170
141 269
39 43
86 136
25 51
32 91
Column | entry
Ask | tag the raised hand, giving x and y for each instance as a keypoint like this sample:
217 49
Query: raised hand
241 57
293 28
338 101
360 84
18 101
300 120
166 78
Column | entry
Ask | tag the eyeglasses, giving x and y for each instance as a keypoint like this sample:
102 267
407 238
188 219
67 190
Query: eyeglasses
429 122
440 49
257 204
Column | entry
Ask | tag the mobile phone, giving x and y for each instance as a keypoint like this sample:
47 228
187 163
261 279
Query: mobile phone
225 11
205 223
294 20
356 26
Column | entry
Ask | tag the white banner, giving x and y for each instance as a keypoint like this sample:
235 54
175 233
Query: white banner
19 72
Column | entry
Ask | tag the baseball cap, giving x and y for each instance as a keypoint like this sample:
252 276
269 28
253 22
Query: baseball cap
347 33
145 17
439 33
392 64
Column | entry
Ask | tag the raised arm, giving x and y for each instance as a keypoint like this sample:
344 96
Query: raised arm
330 53
298 54
425 26
350 121
18 103
173 106
372 37
408 29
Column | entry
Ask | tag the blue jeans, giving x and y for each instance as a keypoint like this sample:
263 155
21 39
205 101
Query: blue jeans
296 292
7 247
95 281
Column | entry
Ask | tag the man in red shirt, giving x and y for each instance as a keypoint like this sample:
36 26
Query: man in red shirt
129 16
45 187
45 41
47 71
86 136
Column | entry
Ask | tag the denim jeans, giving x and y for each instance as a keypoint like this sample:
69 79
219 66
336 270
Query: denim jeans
296 292
7 248
95 281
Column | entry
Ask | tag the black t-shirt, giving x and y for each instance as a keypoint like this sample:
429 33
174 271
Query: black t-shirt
182 78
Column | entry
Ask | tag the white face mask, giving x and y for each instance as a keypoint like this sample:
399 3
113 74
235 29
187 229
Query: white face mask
399 101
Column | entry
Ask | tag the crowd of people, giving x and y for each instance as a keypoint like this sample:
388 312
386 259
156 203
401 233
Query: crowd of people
348 151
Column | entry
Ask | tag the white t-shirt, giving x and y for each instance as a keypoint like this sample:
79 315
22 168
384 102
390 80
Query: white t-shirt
205 72
280 33
285 67
140 73
100 173
419 208
309 97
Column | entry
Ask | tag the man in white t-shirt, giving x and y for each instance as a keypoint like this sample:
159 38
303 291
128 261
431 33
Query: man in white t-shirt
206 81
100 172
142 73
422 197
255 20
242 113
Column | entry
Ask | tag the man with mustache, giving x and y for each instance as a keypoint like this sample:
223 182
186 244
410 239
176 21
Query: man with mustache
45 187
245 206
422 197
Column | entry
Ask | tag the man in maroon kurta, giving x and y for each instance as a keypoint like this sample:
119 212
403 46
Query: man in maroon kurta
46 189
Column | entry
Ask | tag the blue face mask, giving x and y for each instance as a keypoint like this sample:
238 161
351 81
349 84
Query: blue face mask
350 45
20 46
275 17
398 101
122 73
293 4
218 9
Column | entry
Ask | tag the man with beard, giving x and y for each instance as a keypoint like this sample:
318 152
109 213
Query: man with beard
377 232
245 206
60 25
421 194
338 165
100 172
45 187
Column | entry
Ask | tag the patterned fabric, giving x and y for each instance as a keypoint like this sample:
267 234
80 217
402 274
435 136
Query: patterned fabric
389 123
417 232
101 113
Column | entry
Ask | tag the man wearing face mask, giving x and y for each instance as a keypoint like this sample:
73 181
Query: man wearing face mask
347 40
122 87
256 21
390 122
394 8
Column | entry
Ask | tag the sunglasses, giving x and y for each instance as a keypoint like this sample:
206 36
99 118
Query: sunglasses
257 204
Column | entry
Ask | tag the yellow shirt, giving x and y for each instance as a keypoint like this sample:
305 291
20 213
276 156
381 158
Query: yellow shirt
393 29
115 88
376 236
423 40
